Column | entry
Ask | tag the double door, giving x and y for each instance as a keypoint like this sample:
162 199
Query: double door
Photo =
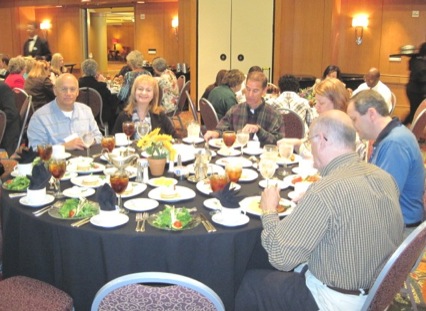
233 34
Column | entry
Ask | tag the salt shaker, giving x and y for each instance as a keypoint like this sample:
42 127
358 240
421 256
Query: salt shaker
142 173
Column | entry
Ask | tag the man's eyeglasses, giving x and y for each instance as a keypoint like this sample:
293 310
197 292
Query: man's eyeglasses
308 141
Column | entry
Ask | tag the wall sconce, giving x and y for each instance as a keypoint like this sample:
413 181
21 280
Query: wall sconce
46 26
175 25
359 22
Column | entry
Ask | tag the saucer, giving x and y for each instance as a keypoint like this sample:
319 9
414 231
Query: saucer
254 151
193 140
78 192
242 220
248 175
212 203
47 200
109 222
244 162
141 204
272 182
231 152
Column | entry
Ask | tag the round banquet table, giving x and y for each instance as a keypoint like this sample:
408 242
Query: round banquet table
81 260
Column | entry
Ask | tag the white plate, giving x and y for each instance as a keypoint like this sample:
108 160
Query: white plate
244 162
231 152
47 200
248 175
109 222
78 181
212 203
184 193
250 206
304 171
131 171
78 192
141 204
68 175
282 161
253 151
292 195
126 143
96 168
288 179
162 181
212 168
219 219
204 186
64 155
137 188
195 140
272 182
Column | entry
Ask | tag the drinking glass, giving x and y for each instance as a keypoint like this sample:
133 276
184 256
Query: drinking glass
242 139
88 139
119 181
142 128
108 142
128 129
270 152
285 151
234 170
229 138
58 167
267 169
193 130
45 151
218 181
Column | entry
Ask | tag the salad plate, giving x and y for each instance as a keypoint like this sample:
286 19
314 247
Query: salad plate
252 206
174 219
212 203
182 193
141 204
162 181
88 209
78 192
204 186
244 162
109 222
17 184
47 200
135 189
248 175
240 221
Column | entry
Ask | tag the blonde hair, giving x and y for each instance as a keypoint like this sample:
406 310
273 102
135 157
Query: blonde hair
335 91
55 63
154 105
41 69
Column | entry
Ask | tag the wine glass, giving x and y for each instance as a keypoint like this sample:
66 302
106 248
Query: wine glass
142 128
270 152
88 139
267 169
108 142
286 152
242 139
45 151
58 167
128 129
119 181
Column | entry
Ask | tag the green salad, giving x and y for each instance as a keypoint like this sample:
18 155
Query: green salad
173 218
19 183
78 208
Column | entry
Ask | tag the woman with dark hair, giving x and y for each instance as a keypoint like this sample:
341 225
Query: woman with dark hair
219 76
332 71
416 87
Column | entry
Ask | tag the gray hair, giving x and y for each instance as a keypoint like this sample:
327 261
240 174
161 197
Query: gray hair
89 67
135 59
370 99
16 64
159 64
337 127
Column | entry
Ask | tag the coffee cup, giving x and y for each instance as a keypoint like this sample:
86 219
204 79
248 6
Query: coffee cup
58 151
23 169
120 139
253 145
230 214
36 196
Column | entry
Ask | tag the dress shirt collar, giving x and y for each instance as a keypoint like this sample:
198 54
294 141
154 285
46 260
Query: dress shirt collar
385 132
342 160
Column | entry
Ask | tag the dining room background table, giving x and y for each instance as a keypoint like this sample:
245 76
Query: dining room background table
81 260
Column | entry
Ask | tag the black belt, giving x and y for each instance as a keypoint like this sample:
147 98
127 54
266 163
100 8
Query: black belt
416 224
356 292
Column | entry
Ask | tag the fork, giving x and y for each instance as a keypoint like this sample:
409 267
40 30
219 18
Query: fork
145 216
138 221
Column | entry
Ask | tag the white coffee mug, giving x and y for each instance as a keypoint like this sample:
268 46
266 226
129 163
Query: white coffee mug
23 169
120 139
253 145
231 214
36 196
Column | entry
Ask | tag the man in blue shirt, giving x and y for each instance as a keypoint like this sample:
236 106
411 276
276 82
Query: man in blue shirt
63 121
395 150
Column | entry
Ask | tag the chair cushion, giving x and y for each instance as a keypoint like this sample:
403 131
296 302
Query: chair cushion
173 297
22 293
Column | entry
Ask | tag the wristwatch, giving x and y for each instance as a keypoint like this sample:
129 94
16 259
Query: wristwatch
264 213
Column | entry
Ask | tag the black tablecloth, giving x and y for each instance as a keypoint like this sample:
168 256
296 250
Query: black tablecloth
81 260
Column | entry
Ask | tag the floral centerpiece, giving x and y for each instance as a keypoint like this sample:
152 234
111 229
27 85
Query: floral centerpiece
309 94
158 147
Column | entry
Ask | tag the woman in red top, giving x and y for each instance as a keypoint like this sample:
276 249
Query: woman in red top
16 73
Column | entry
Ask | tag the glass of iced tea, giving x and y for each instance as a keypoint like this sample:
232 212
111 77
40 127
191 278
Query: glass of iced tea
229 138
218 181
44 151
233 171
108 142
119 181
58 167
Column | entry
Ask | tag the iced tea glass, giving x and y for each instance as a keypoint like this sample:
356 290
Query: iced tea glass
119 181
233 171
108 142
229 138
44 151
58 167
218 181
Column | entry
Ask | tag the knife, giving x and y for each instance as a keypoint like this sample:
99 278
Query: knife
80 222
208 224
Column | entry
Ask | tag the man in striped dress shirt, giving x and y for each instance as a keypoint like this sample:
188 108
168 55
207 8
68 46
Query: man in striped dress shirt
343 230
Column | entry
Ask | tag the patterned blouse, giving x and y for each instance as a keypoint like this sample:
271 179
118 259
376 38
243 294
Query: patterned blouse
169 87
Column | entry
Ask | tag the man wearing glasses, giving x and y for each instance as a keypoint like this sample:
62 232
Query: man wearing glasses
337 239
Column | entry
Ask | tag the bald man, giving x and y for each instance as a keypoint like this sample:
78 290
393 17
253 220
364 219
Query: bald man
63 121
372 82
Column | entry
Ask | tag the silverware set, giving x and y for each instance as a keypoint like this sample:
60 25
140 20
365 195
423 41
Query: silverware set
141 217
81 222
207 224
46 209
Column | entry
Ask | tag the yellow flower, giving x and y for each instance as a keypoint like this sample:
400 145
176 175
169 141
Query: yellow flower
157 145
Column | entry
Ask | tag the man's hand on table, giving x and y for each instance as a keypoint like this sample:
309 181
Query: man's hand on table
251 128
74 144
210 134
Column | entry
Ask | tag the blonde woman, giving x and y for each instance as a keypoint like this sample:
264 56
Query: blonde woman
39 85
143 106
56 67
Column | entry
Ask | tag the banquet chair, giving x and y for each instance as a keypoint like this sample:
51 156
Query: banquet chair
419 124
396 271
21 293
93 99
181 82
293 126
25 108
208 114
183 96
179 291
192 107
3 121
393 102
